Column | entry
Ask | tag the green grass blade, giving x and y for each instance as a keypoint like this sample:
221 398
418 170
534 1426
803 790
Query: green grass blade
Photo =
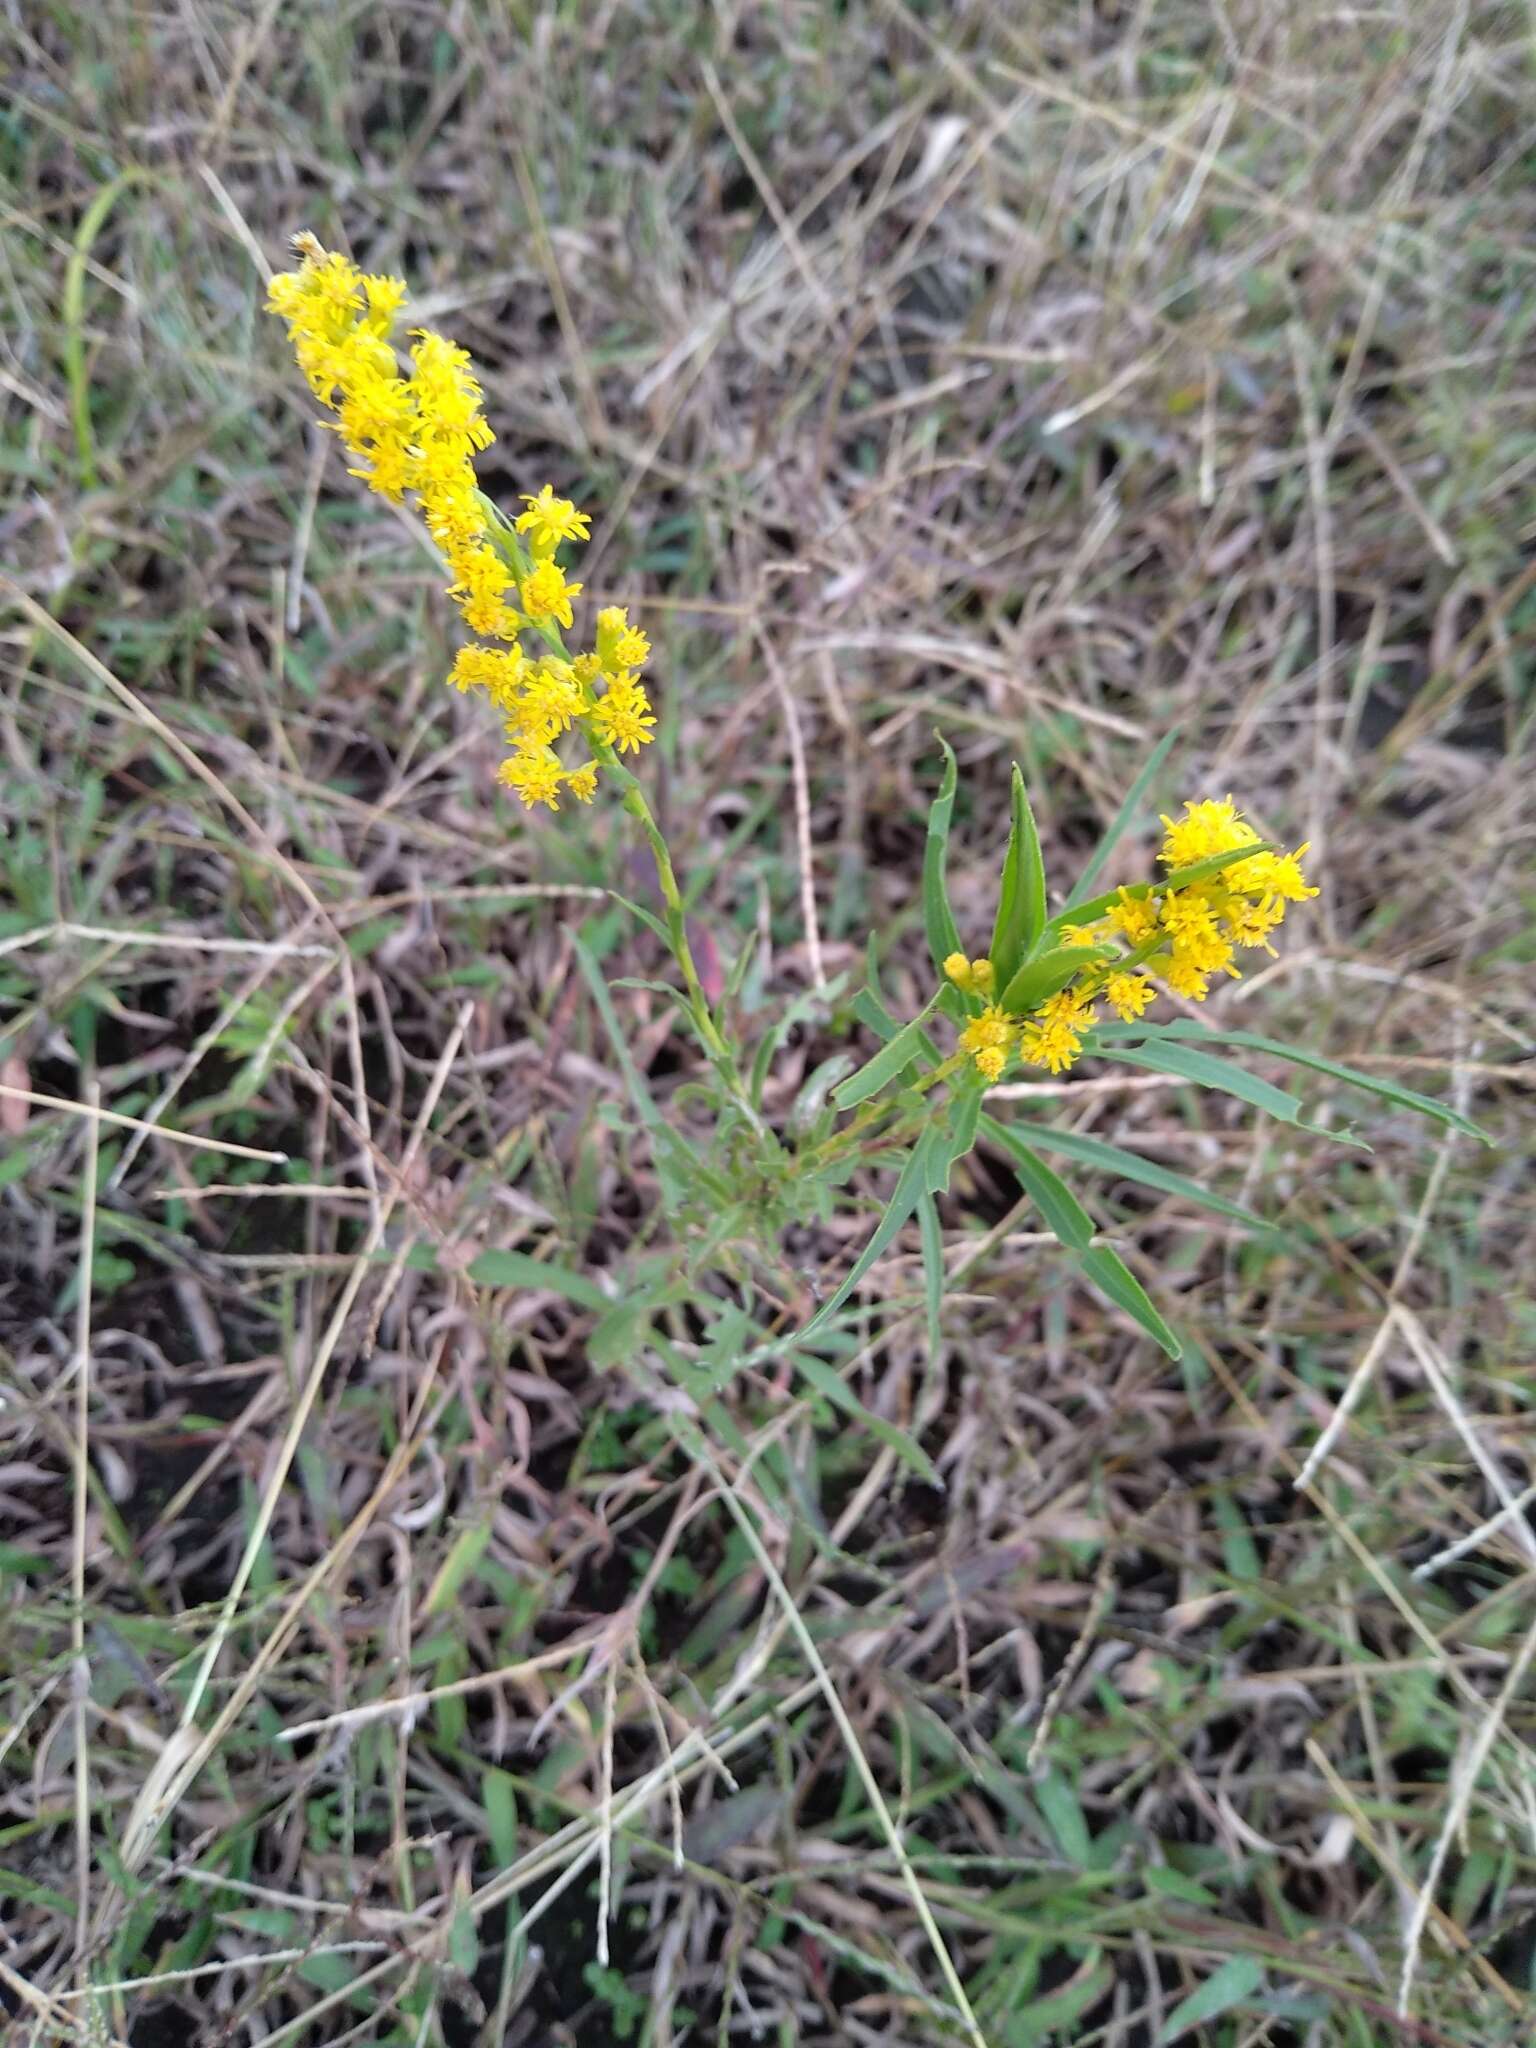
1120 820
938 918
1232 1983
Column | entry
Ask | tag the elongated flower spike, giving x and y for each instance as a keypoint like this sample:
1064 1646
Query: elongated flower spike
1182 930
413 435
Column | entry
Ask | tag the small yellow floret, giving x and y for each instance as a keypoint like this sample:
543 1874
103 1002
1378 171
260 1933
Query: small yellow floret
547 595
550 520
534 776
1128 995
1209 827
623 715
989 1039
1135 917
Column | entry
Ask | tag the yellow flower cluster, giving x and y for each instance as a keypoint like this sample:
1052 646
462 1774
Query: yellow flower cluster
418 434
1182 936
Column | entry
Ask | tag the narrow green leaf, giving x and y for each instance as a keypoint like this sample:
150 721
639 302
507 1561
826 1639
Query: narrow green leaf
1050 971
1021 895
646 917
1118 823
1131 1166
1114 1278
933 1268
966 1117
640 1094
1066 1218
1299 1056
1064 1817
827 1381
1060 1210
892 1059
938 919
872 1013
1170 1056
911 1185
518 1269
1233 1983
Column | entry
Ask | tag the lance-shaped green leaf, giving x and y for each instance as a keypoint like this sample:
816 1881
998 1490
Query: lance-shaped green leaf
1163 1055
1060 1210
1148 1173
1066 1219
938 918
892 1059
1299 1056
1021 895
1042 977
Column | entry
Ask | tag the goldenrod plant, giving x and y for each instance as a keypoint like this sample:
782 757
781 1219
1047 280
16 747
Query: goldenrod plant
1053 986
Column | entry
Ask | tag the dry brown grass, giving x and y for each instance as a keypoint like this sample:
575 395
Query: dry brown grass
1049 375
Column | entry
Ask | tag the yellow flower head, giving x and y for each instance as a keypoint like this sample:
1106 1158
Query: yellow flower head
619 644
546 594
1080 934
1128 995
1053 1037
534 775
1134 917
582 782
989 1039
550 520
1209 827
623 714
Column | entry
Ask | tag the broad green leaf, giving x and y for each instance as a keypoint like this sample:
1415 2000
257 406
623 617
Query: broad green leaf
1062 1213
1127 811
938 919
892 1059
1042 977
1114 1278
1131 1166
1021 896
1298 1056
1233 1983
